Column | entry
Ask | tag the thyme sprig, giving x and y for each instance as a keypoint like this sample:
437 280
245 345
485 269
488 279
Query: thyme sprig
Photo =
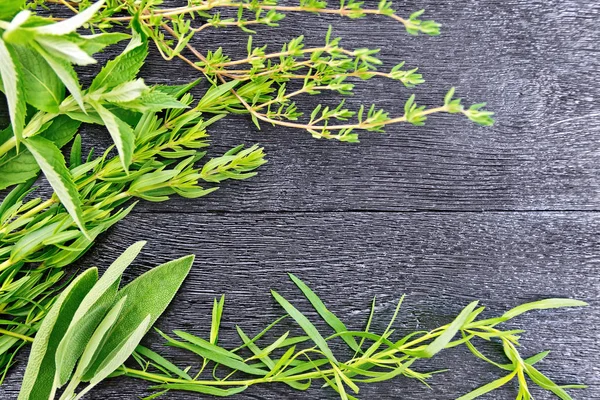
300 361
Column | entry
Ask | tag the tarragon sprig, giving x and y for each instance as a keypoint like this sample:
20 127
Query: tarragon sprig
300 361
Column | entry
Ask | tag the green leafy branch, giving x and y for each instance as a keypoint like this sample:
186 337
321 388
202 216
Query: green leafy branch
299 361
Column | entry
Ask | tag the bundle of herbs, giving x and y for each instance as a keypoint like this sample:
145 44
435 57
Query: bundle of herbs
159 139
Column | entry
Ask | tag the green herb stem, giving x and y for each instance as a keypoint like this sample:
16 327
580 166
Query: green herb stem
16 335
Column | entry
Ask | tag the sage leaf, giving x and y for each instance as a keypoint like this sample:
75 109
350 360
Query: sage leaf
41 86
39 374
149 294
91 311
11 80
124 67
121 133
52 164
119 355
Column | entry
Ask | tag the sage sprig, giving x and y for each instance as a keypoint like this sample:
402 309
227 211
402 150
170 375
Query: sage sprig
95 326
300 361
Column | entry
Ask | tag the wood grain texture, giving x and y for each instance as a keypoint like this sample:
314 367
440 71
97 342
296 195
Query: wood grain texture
441 261
506 214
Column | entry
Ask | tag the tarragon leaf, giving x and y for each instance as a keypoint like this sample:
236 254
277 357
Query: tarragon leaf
39 375
52 164
12 85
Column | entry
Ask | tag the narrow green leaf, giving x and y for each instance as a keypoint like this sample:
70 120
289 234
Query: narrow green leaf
545 382
121 133
52 164
196 388
217 312
39 375
306 325
441 341
206 345
327 315
213 95
536 358
91 311
12 83
162 362
75 153
542 305
488 388
149 294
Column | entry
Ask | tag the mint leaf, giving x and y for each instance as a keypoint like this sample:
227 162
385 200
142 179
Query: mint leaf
52 164
121 133
11 81
123 68
9 8
41 86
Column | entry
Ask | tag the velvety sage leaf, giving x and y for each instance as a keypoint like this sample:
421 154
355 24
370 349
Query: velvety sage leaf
65 73
196 388
306 325
12 86
39 376
41 86
119 355
150 294
71 24
121 133
327 315
91 311
89 353
441 341
52 164
9 8
123 68
542 305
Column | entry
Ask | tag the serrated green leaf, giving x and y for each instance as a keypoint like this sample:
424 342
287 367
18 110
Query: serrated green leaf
41 85
65 49
39 375
121 133
125 92
93 44
150 294
123 68
71 24
52 164
65 72
91 311
9 8
12 85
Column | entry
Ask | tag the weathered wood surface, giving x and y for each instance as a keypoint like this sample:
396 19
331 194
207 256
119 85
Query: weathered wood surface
520 199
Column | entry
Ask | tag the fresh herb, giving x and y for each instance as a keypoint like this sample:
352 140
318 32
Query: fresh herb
300 361
93 327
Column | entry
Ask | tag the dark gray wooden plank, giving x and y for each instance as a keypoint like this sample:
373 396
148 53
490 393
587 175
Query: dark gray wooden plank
442 261
536 64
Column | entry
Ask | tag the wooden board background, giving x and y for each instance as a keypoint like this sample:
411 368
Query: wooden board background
447 213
